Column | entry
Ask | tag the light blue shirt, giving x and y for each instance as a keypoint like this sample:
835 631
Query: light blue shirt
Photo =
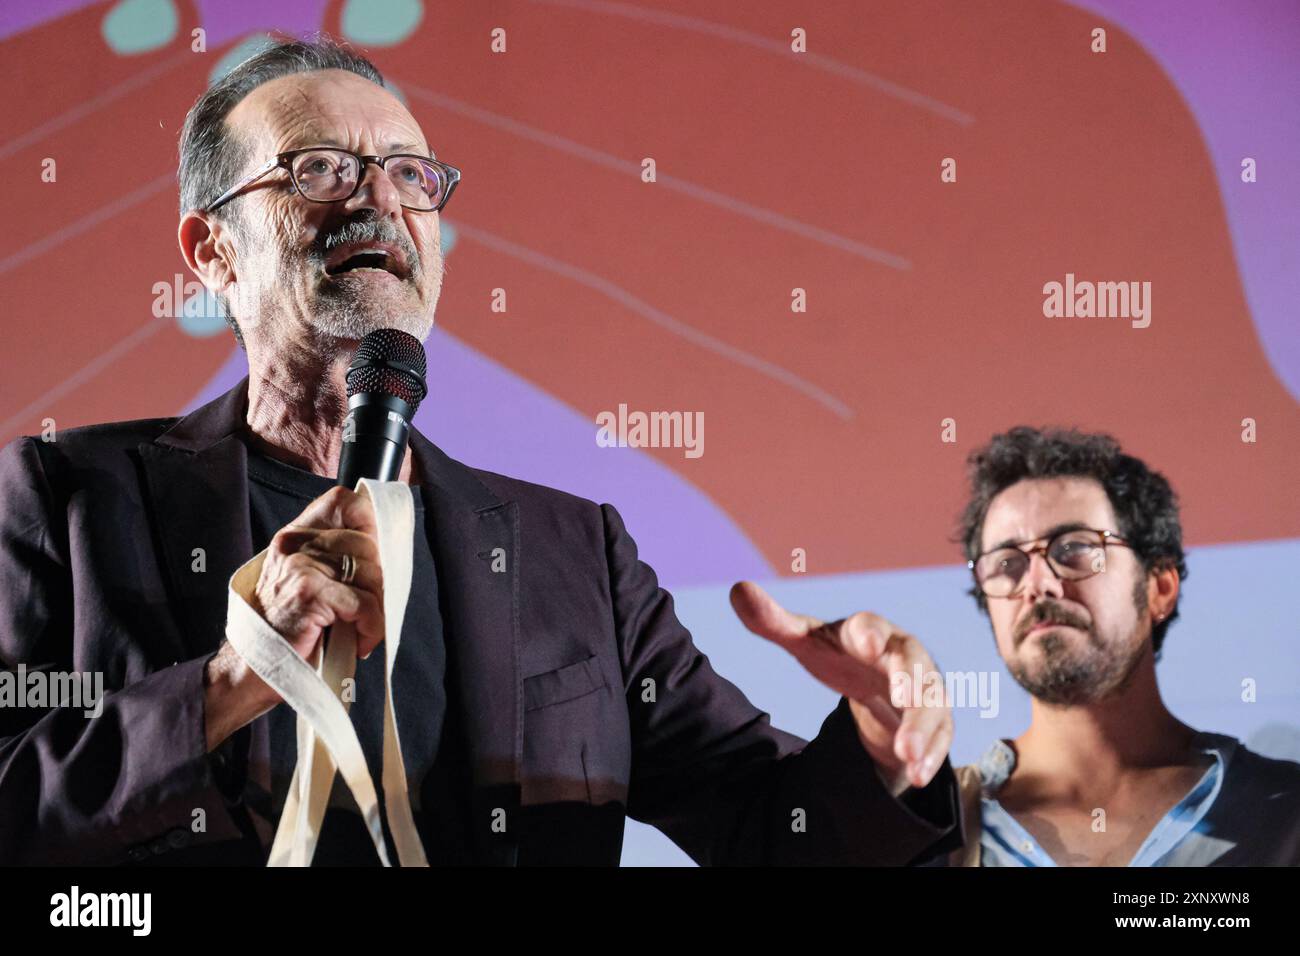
1244 810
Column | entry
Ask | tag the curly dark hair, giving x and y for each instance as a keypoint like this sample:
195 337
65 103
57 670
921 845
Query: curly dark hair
1145 504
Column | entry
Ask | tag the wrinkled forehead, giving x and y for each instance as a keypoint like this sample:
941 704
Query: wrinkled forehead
1031 508
326 108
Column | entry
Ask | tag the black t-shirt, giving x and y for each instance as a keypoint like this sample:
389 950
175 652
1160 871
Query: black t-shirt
431 744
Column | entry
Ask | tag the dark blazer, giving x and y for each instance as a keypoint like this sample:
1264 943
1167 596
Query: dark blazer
98 531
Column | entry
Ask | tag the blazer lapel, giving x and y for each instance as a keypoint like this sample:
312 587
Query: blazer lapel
474 537
196 491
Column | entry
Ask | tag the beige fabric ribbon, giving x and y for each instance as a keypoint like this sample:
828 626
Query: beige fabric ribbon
327 741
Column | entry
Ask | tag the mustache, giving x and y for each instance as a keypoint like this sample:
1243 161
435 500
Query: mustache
365 230
1048 612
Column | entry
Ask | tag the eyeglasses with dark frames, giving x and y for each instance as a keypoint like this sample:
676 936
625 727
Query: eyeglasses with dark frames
331 174
1073 554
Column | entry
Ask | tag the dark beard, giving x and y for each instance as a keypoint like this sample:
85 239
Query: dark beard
1068 678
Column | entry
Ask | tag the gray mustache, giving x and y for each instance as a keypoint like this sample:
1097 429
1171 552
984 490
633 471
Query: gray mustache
373 230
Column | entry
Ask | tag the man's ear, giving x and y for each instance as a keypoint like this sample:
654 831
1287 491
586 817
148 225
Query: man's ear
1164 583
205 244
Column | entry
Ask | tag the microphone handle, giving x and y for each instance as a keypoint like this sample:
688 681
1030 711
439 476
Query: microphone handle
375 436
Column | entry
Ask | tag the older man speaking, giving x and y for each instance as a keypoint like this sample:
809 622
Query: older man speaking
540 698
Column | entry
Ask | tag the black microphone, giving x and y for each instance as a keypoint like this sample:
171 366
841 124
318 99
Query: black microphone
385 387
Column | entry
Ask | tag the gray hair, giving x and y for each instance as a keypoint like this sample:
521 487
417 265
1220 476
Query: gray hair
211 159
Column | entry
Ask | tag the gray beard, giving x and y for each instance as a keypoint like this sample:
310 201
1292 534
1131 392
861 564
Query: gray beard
342 315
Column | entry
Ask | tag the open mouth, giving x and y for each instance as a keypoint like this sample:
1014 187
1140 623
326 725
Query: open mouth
367 260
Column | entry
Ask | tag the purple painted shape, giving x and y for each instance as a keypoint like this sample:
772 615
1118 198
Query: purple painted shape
223 19
480 413
17 17
234 19
1236 64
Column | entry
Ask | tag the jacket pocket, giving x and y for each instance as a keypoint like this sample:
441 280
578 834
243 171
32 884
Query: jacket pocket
563 683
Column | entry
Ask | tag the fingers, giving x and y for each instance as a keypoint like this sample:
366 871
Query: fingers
863 635
300 590
302 597
936 751
925 726
904 726
843 655
364 611
359 544
862 657
761 613
366 574
327 554
919 741
881 732
339 508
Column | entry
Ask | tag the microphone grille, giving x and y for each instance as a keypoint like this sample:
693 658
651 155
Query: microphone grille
392 362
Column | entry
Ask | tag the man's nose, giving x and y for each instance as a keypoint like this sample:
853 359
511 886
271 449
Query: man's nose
376 192
1040 580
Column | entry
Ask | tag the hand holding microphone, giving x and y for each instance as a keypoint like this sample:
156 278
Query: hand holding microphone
324 566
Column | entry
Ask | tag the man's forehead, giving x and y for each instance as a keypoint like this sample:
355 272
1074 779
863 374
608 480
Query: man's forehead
1031 508
327 108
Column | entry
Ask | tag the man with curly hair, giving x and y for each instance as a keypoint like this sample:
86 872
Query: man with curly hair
1076 553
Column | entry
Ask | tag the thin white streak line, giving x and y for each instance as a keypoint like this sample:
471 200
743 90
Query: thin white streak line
93 367
662 319
86 107
102 214
736 35
85 373
739 207
775 219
